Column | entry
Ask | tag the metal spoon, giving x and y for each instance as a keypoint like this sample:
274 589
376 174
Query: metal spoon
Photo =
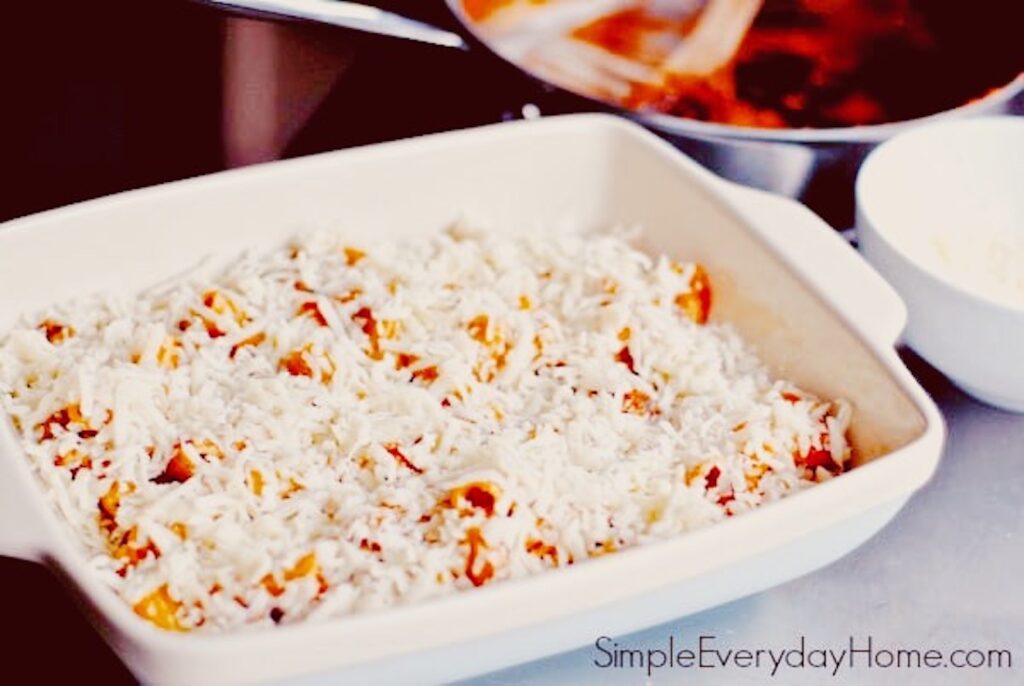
349 15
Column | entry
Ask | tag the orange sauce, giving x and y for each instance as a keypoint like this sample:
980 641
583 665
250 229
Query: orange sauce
253 340
626 357
697 302
368 324
477 574
160 608
295 364
55 332
426 374
479 10
400 457
627 32
481 495
635 402
179 468
312 310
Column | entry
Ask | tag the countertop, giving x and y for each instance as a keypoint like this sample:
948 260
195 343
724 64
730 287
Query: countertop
944 575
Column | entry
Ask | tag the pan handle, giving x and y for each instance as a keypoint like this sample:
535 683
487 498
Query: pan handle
805 240
349 15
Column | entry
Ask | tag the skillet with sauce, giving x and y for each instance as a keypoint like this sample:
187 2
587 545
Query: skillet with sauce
810 63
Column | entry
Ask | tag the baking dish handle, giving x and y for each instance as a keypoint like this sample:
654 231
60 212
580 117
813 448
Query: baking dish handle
24 526
812 246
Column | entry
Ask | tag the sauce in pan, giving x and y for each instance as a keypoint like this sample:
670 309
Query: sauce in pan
807 63
481 10
630 33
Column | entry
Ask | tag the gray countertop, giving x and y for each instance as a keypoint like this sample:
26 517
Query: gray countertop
945 575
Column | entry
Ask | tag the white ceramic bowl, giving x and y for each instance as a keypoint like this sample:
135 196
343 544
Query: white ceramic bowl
816 312
960 175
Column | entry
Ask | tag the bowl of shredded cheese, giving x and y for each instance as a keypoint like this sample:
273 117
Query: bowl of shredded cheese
941 215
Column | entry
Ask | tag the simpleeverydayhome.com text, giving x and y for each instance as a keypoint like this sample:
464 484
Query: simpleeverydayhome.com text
709 652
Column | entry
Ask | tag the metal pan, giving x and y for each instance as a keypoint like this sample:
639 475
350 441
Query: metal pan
816 166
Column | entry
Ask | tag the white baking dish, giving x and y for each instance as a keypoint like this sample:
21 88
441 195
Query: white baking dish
816 312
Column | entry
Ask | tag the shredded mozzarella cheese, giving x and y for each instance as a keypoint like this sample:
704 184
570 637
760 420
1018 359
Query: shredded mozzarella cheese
335 428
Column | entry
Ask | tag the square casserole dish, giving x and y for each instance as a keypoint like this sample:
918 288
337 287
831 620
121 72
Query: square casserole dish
814 311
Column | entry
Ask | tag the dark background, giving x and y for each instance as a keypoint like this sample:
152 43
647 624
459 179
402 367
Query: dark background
110 95
103 96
